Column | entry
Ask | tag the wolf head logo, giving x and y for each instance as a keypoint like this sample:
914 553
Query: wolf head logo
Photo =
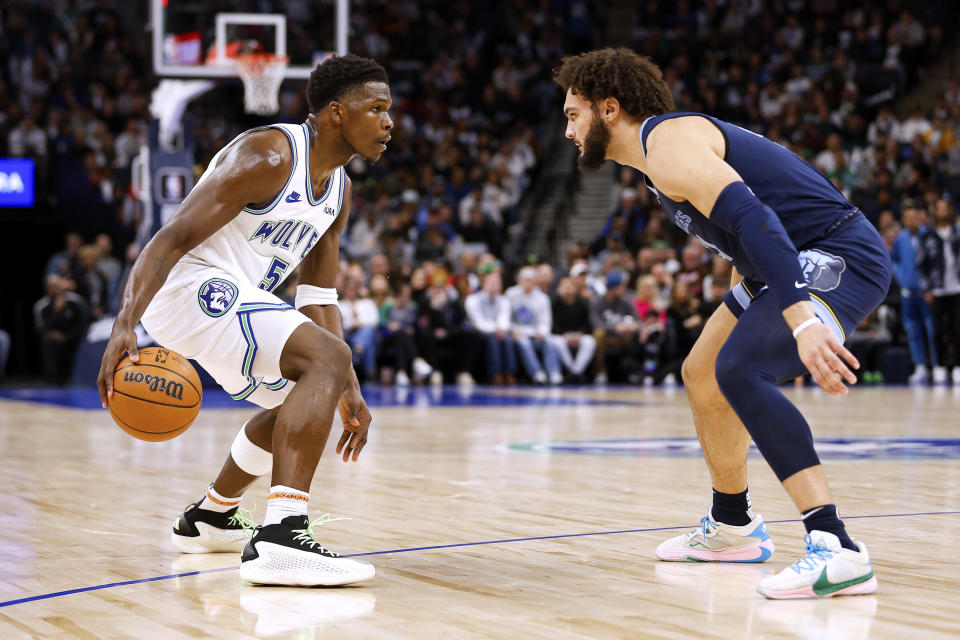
216 296
821 270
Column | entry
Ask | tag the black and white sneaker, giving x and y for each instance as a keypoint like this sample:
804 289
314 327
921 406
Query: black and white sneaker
287 554
199 530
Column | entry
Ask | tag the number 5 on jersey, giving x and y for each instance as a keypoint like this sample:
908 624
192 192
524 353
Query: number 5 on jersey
274 274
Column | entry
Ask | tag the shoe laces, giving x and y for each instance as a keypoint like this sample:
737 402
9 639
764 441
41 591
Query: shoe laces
707 526
816 554
306 537
244 518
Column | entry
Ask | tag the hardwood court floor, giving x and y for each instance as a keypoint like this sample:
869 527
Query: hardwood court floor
528 513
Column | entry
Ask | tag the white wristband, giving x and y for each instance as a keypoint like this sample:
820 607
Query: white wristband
307 295
805 324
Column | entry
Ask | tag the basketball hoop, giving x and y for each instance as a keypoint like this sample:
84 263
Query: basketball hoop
262 74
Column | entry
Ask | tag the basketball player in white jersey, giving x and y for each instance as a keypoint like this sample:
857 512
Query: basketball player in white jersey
272 198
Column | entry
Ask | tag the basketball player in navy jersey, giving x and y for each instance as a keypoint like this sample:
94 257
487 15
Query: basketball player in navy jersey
273 198
808 268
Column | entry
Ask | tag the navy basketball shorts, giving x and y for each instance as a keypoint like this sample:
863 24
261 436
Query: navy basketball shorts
848 274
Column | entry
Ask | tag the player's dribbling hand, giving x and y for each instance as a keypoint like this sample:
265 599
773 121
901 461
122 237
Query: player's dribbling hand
356 422
120 340
823 356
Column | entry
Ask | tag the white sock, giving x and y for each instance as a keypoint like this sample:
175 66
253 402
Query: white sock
285 501
213 501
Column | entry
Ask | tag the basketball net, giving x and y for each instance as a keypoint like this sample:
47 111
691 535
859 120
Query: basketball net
262 74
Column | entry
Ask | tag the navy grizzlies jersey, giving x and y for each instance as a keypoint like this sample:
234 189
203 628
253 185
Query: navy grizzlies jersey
807 203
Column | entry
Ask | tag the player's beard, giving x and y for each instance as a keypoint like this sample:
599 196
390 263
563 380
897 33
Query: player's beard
594 146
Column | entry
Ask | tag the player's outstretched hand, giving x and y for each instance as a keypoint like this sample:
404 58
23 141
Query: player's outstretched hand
825 356
356 422
121 339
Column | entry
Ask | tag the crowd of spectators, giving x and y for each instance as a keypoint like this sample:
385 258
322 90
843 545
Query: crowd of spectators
426 295
819 81
455 322
470 106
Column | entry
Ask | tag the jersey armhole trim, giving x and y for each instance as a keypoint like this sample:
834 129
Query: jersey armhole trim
293 168
326 192
643 125
726 139
343 190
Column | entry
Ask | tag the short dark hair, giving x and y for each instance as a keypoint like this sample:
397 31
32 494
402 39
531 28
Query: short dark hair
335 76
634 80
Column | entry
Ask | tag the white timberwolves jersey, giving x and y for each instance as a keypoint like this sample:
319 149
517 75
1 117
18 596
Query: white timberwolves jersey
264 245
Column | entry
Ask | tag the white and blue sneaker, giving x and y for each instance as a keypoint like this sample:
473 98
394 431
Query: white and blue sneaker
825 571
717 542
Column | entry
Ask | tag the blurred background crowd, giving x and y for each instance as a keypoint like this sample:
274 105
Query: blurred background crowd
430 291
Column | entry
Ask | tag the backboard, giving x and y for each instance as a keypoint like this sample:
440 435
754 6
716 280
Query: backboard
199 38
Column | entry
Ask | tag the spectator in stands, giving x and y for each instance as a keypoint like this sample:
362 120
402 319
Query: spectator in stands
63 263
917 317
647 356
479 229
940 274
90 282
380 266
365 231
531 321
627 218
684 316
360 320
614 323
400 331
661 275
488 312
380 294
418 286
108 265
444 340
720 272
546 278
693 267
867 343
61 317
915 125
834 160
587 286
469 263
885 125
572 334
647 297
27 140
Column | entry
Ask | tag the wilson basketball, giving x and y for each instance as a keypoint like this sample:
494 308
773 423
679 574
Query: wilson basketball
157 398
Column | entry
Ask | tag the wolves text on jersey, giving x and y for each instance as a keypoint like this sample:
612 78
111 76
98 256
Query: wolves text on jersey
287 234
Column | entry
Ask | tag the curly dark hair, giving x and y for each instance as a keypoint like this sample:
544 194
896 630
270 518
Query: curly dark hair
337 75
617 73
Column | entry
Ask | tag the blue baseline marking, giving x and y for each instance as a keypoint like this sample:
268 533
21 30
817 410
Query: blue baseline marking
110 585
376 396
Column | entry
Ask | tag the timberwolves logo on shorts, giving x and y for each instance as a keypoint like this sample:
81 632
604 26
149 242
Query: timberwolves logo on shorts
216 296
821 270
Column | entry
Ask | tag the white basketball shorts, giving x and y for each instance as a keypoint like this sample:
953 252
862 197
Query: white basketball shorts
233 329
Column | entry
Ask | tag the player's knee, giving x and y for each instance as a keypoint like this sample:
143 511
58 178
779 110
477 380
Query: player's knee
330 357
729 370
340 357
695 371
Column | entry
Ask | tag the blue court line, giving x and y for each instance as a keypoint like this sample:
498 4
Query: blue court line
110 585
